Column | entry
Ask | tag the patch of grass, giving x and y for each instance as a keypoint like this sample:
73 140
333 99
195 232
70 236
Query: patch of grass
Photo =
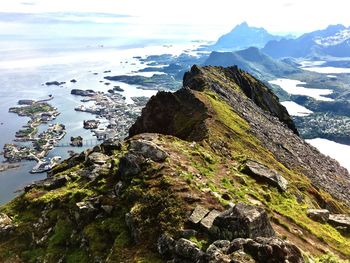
330 258
62 232
104 234
32 256
201 243
77 256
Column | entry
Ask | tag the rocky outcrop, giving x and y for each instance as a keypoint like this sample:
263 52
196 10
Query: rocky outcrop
187 250
130 165
244 221
259 250
261 172
139 152
269 250
148 150
50 183
180 114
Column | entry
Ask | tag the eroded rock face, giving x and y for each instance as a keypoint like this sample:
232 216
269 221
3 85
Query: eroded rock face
261 172
242 221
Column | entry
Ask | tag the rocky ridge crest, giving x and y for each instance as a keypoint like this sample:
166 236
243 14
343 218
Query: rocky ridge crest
214 172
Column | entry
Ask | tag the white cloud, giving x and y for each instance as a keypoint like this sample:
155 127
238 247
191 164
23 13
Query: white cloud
275 15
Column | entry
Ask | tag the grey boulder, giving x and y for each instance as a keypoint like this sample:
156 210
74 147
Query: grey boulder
244 221
261 172
148 150
319 215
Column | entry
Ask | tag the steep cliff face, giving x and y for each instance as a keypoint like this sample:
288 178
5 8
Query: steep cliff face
214 172
180 114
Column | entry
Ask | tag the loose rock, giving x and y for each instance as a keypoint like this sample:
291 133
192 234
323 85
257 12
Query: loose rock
208 220
261 172
198 214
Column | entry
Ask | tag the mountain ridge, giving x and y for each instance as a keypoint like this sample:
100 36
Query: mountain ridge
252 60
208 174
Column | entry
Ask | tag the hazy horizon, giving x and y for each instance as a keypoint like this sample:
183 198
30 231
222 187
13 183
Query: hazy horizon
192 20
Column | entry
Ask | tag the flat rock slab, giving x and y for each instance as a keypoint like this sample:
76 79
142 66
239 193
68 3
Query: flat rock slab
261 172
198 214
208 220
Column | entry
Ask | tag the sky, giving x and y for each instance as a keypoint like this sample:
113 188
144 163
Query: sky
277 16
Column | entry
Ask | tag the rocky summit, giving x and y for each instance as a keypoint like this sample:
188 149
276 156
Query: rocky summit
214 172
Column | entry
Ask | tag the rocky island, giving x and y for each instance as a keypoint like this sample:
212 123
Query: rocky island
215 172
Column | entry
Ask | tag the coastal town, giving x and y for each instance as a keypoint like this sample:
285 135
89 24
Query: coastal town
112 107
113 117
39 112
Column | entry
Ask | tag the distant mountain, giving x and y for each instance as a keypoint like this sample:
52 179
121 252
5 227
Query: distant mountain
253 61
244 36
333 41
